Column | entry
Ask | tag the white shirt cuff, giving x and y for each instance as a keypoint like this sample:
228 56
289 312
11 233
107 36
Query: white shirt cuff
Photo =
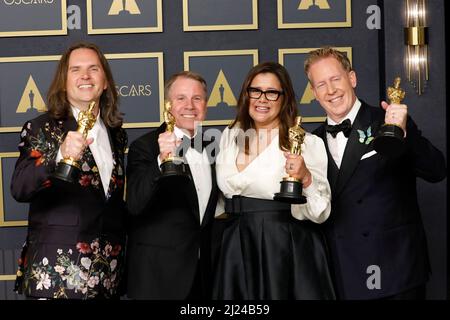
159 162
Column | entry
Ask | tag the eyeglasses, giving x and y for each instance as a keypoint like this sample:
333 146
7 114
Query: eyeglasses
271 95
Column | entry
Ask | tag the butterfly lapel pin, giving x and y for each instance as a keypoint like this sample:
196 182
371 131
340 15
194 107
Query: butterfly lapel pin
365 137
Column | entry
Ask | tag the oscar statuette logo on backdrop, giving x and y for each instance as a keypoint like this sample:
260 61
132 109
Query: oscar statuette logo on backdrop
124 7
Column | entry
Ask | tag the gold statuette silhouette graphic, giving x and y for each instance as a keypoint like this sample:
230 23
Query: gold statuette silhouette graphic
68 169
123 6
390 137
306 4
221 93
31 99
291 188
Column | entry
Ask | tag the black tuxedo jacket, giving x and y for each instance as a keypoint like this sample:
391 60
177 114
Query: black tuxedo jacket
76 235
375 220
165 233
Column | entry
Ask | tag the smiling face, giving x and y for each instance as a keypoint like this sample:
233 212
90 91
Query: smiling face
85 78
265 112
333 87
188 99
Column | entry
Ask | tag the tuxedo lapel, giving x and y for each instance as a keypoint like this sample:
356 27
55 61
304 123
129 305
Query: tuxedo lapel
333 170
117 145
116 161
212 197
354 149
192 195
211 151
70 125
212 148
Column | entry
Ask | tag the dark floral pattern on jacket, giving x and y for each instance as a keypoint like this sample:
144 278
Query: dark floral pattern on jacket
90 175
118 175
91 270
43 148
89 172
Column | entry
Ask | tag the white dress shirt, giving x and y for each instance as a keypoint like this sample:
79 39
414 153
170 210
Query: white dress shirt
100 148
337 145
200 170
261 178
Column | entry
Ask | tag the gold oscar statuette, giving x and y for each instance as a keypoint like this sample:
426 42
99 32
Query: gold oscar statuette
68 169
291 188
172 166
390 138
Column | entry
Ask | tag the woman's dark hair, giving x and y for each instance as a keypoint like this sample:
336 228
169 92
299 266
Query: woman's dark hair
288 110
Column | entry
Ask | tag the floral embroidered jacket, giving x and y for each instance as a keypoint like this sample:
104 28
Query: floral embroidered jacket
76 233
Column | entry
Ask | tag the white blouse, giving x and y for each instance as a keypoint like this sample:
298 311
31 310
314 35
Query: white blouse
261 178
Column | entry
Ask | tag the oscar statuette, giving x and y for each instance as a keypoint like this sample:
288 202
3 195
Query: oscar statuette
68 169
172 166
291 188
390 138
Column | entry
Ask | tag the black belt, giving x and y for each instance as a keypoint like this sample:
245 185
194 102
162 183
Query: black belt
239 204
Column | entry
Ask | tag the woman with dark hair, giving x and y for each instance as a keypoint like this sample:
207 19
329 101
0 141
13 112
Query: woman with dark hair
76 231
269 249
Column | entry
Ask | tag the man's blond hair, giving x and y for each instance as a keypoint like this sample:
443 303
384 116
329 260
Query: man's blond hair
326 52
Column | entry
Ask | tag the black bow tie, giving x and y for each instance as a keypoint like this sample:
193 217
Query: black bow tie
198 143
345 126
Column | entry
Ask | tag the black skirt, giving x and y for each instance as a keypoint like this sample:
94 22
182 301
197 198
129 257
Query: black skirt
261 252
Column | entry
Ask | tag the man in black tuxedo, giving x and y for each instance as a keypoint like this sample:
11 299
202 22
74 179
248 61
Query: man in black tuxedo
169 238
375 232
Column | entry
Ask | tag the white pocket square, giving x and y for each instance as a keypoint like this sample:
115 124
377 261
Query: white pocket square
368 154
